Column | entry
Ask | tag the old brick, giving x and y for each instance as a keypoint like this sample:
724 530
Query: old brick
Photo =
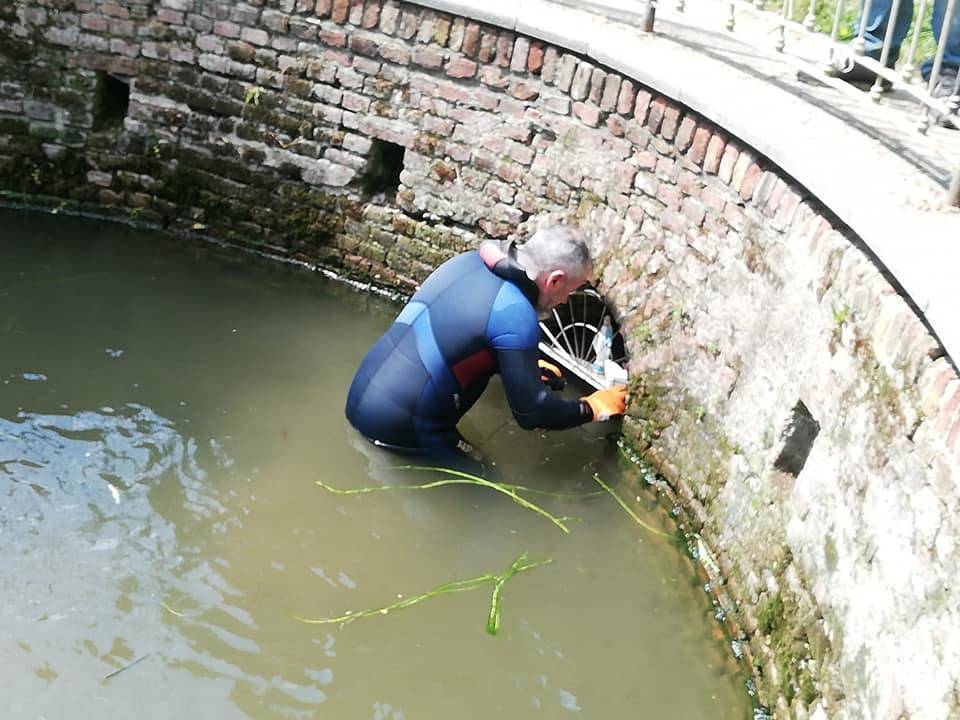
170 17
667 169
389 17
323 7
626 97
655 117
96 23
115 10
355 102
225 28
364 45
588 114
303 30
355 14
698 148
457 32
685 134
712 199
371 15
559 104
504 49
427 57
523 91
535 58
730 156
773 201
786 210
580 86
395 53
521 47
520 153
488 46
441 30
366 66
493 76
565 72
694 211
551 60
409 24
333 38
611 91
597 80
744 163
254 36
715 148
750 180
275 21
460 67
642 106
340 10
671 121
616 125
471 39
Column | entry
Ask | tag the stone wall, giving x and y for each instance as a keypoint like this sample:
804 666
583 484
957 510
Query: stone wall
790 397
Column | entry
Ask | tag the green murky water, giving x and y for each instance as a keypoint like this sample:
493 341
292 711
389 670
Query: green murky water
164 412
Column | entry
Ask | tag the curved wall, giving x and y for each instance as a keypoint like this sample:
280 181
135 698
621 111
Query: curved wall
792 400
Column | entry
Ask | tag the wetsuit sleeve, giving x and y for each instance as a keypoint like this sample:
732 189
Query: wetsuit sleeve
533 404
513 332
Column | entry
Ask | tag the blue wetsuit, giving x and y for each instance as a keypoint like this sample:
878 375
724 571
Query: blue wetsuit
467 322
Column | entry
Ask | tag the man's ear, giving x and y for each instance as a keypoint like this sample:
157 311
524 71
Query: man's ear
556 279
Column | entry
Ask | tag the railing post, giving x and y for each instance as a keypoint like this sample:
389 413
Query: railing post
649 16
953 194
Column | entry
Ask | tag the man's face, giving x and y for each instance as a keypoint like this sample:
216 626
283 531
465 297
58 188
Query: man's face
556 286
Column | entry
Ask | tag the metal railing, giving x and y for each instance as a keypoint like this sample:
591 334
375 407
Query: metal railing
936 91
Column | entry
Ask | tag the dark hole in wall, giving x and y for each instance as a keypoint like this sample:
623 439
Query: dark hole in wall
111 101
382 176
798 436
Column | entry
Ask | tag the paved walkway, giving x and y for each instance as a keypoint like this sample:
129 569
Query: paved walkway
864 161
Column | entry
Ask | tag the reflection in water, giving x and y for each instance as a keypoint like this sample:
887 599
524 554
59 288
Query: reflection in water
159 442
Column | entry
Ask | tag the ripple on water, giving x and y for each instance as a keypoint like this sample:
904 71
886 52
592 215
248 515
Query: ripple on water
79 501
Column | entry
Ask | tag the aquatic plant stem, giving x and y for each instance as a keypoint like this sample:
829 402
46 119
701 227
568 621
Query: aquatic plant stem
125 667
496 599
477 480
462 479
628 510
519 565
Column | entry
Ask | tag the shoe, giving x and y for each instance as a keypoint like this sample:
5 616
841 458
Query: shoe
943 90
945 83
854 73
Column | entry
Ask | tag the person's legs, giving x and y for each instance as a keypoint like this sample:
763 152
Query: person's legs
875 28
951 55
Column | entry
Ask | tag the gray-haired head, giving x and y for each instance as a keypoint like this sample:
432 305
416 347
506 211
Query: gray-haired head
555 247
558 258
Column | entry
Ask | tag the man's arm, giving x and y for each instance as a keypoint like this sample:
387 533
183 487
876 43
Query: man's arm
533 404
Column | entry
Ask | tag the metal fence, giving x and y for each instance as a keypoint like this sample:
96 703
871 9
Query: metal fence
912 49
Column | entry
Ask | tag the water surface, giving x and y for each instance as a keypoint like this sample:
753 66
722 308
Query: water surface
164 412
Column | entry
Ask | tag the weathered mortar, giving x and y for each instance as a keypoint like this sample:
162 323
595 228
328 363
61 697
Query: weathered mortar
738 297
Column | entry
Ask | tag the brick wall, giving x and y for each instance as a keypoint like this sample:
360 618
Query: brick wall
744 305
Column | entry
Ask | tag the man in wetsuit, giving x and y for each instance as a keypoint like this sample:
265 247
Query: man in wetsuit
475 315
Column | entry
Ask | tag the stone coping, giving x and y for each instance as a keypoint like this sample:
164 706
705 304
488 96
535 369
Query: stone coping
896 210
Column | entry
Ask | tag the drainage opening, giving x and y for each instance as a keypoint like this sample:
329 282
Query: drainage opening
798 437
111 101
382 176
572 335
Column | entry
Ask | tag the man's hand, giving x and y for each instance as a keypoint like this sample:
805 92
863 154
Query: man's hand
607 403
550 375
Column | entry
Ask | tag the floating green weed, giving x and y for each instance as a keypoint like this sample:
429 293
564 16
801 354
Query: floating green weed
628 510
521 564
463 478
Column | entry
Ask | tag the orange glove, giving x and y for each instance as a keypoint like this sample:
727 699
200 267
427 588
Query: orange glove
550 375
607 403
